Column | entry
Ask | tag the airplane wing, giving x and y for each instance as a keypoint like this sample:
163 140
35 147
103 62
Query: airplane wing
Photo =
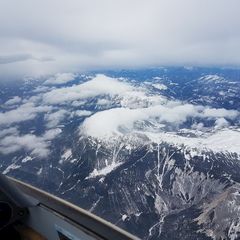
30 213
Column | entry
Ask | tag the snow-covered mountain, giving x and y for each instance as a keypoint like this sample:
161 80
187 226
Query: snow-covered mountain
156 152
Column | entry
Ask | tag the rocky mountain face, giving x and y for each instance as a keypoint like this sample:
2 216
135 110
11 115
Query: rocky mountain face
155 152
149 188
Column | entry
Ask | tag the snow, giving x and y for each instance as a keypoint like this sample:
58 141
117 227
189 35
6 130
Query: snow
39 172
73 160
160 86
104 171
26 159
124 217
144 113
212 77
11 167
119 121
66 155
221 141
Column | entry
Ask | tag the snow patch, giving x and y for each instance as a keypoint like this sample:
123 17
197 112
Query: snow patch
221 141
26 159
11 167
124 217
104 171
212 77
159 86
66 155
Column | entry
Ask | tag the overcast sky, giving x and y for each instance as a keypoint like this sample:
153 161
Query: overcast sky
49 36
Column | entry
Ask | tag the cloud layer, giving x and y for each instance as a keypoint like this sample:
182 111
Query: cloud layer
109 107
80 35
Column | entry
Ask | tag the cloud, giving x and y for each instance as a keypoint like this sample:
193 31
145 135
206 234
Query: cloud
9 131
53 119
27 111
82 113
51 134
221 123
99 85
220 113
13 100
60 78
118 34
121 120
36 145
22 57
15 58
118 121
139 108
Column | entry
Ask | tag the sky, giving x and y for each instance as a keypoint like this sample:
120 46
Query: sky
47 37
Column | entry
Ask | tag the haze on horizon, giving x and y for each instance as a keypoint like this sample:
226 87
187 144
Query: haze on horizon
46 37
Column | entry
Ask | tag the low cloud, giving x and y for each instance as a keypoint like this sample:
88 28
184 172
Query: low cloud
35 145
138 106
53 119
82 113
99 85
118 121
221 123
121 120
27 111
13 100
220 113
9 131
60 78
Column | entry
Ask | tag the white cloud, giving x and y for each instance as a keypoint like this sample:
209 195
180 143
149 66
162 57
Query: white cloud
8 131
60 78
53 119
13 100
221 123
99 85
159 86
119 120
36 145
117 34
82 113
51 134
220 113
103 101
78 103
40 89
27 111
